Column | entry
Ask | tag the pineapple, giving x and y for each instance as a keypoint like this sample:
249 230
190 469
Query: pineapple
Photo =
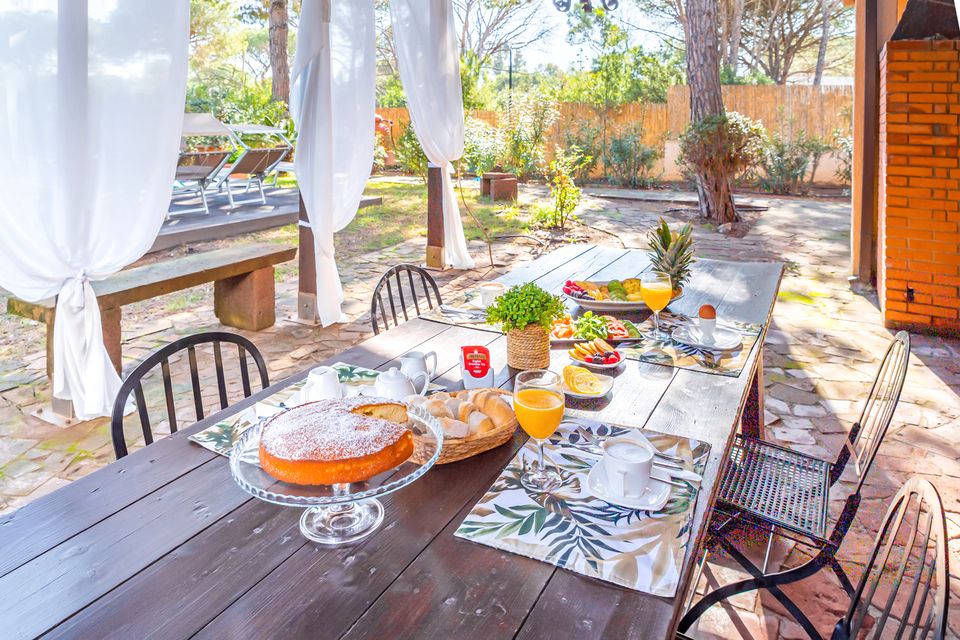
672 253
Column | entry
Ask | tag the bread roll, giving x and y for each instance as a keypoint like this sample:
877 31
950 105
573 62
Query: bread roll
440 395
466 408
454 405
415 400
454 428
479 423
494 406
438 408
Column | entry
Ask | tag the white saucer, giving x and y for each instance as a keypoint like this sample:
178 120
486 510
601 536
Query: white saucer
605 381
654 498
723 339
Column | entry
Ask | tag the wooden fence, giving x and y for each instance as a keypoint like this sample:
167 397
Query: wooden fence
817 110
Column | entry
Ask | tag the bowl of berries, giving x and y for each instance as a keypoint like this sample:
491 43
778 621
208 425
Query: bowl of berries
596 354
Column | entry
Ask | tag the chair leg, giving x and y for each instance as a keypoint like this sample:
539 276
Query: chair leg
841 576
229 193
263 198
759 580
766 554
203 197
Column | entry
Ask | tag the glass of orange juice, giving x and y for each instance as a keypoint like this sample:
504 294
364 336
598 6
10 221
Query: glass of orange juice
656 289
538 403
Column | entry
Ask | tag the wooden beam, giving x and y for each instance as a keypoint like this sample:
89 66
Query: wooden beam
435 217
876 21
307 278
866 102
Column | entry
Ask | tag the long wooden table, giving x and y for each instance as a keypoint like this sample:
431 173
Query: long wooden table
164 544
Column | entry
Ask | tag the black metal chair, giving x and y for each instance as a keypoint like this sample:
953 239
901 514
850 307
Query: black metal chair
768 486
397 281
911 547
133 382
909 562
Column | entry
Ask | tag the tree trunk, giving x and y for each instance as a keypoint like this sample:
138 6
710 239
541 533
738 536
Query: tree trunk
824 39
279 65
733 52
706 99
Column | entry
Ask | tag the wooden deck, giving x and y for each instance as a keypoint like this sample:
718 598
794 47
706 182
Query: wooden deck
282 208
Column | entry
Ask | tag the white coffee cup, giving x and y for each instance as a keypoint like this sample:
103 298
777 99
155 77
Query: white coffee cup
414 362
489 292
323 383
627 465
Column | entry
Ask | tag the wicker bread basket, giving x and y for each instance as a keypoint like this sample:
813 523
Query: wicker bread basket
528 348
455 449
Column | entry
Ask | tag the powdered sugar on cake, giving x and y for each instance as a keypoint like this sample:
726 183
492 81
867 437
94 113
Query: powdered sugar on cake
326 430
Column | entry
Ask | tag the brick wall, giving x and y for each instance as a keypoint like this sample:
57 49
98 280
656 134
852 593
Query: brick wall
919 224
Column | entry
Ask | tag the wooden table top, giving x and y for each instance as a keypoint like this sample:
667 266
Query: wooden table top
164 544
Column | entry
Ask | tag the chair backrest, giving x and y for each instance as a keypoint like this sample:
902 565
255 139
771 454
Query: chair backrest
868 432
199 165
395 283
256 161
904 589
133 382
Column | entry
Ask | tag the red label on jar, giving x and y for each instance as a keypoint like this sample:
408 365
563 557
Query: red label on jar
476 361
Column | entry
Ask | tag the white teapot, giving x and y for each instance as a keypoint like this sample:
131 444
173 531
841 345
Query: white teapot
396 385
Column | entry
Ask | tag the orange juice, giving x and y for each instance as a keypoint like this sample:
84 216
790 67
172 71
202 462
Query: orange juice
656 295
539 411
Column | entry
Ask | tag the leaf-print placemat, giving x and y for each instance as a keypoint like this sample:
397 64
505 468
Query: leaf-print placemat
220 437
572 529
683 356
463 311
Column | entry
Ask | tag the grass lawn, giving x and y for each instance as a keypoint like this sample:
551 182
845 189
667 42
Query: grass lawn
403 215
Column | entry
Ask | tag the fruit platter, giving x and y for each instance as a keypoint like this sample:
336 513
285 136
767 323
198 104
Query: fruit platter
610 295
596 354
591 326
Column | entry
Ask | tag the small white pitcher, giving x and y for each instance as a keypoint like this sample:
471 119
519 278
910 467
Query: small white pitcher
414 362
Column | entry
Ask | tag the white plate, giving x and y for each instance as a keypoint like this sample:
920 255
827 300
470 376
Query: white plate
723 339
600 367
613 305
605 381
654 498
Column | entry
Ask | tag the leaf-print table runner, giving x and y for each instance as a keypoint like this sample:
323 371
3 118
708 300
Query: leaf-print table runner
573 529
220 437
683 356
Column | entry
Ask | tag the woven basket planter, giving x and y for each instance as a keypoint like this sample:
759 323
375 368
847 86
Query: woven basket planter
528 348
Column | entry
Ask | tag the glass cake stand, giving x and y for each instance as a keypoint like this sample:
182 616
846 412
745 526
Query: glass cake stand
339 513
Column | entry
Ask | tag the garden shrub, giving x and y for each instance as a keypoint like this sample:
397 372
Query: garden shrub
524 132
410 156
482 146
588 139
732 141
630 160
566 194
379 153
784 165
843 146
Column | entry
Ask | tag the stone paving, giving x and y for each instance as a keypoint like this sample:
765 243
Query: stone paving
822 351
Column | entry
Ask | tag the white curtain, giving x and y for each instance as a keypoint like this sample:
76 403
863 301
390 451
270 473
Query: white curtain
429 60
91 103
332 99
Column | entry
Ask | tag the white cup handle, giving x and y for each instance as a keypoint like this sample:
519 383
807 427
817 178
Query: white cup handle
623 482
432 371
426 382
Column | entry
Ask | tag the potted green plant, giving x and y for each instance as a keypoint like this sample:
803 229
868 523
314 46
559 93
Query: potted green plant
525 313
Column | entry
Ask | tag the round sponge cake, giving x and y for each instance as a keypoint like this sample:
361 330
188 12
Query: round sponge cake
336 441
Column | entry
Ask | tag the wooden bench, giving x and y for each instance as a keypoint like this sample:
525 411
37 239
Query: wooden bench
243 290
489 177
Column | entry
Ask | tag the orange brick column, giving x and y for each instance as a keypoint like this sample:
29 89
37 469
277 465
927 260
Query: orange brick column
919 225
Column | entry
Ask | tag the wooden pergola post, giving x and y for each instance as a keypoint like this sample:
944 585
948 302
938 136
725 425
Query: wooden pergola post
434 217
876 20
307 280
